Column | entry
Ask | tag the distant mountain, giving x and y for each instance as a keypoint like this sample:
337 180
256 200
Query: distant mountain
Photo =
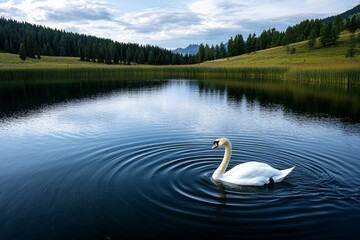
192 49
344 15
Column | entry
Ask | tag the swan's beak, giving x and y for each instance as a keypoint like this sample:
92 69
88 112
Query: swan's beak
215 145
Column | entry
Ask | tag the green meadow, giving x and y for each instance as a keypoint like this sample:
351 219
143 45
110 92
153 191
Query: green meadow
321 65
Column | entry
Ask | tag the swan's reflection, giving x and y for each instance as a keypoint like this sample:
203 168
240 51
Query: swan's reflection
221 193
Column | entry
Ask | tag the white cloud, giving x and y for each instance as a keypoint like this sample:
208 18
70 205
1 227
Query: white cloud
41 11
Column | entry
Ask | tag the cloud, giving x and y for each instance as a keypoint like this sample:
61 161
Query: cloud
52 11
155 20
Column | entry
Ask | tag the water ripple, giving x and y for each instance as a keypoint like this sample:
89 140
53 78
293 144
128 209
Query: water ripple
172 180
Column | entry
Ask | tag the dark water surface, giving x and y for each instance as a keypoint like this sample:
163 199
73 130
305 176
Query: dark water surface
133 160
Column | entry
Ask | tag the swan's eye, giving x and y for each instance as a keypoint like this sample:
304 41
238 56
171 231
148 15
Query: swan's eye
215 144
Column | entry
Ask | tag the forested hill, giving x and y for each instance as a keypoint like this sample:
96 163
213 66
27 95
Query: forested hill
38 40
307 30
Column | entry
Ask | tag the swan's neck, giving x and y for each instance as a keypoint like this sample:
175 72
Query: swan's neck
219 172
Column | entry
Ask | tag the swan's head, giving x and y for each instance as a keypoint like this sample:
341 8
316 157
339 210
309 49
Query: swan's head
220 142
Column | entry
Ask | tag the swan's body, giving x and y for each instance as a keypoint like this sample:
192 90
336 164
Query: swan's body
250 173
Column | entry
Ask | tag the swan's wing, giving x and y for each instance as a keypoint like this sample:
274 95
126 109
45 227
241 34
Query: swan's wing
250 173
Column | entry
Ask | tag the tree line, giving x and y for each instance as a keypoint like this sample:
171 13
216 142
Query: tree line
29 40
310 30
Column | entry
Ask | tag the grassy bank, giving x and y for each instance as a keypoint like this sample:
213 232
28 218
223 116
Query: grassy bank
320 65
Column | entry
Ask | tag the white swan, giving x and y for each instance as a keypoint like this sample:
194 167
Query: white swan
250 173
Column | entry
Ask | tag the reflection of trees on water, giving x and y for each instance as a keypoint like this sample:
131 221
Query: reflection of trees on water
24 96
305 99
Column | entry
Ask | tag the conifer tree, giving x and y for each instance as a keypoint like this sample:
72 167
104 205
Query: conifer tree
45 50
63 46
82 55
151 58
167 60
11 47
352 48
100 55
338 23
30 47
115 53
22 52
88 53
208 54
158 60
37 52
201 53
174 60
328 35
222 50
107 55
7 46
353 24
95 52
128 55
231 47
62 51
217 52
250 43
141 57
239 44
312 40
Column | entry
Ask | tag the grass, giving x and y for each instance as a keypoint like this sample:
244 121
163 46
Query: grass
12 61
327 57
317 66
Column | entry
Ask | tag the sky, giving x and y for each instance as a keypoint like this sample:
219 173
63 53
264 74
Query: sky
170 23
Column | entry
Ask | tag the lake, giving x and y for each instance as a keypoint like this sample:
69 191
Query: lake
132 159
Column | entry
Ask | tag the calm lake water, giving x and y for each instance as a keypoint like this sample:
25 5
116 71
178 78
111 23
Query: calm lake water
132 159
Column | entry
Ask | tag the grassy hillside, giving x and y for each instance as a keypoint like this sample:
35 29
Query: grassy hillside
329 57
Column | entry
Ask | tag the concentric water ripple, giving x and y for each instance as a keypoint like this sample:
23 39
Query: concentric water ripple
170 180
148 177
